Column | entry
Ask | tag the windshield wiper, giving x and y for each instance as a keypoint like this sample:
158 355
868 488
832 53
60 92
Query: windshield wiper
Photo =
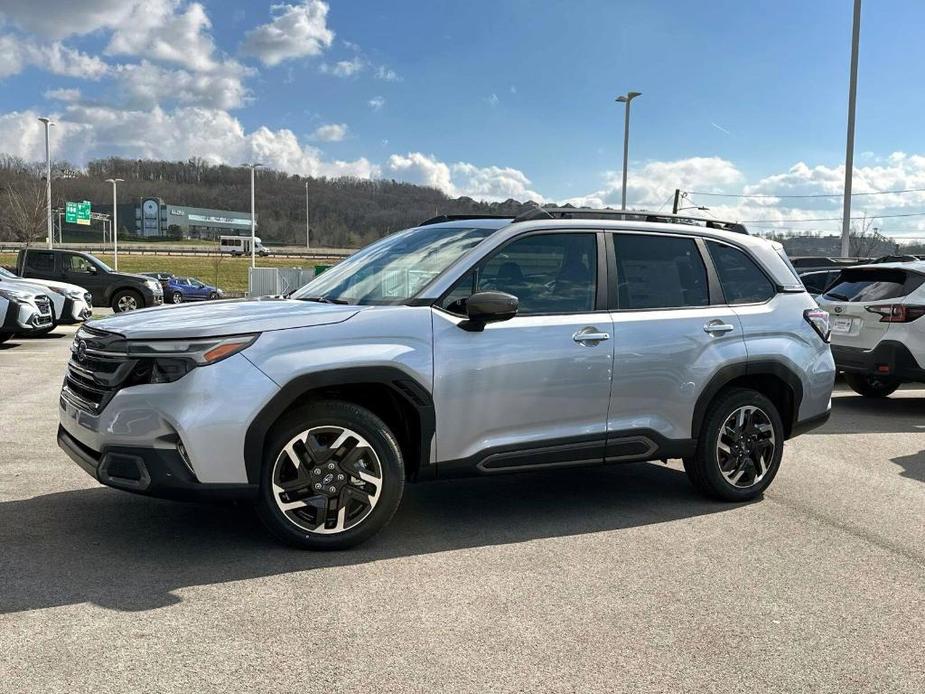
322 299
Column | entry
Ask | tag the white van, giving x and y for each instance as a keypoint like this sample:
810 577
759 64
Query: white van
241 245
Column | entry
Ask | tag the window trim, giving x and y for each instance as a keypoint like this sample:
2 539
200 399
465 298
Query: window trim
614 302
777 288
600 295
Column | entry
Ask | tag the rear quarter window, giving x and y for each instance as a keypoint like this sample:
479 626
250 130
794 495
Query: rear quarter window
743 282
873 284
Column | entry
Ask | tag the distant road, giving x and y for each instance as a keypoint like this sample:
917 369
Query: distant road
141 248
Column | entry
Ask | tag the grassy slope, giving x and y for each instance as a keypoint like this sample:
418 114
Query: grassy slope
228 273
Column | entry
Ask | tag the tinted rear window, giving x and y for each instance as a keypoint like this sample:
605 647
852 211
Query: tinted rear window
873 285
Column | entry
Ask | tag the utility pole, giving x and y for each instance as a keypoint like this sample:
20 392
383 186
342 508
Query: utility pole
308 227
677 201
626 99
115 224
849 148
253 167
48 123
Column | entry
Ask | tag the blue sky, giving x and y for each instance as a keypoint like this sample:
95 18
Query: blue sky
511 98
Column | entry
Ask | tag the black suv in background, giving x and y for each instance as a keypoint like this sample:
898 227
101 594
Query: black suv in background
120 290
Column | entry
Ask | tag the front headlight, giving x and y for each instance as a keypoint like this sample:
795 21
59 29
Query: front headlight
15 295
154 286
75 294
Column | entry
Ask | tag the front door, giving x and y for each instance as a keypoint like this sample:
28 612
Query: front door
531 391
76 269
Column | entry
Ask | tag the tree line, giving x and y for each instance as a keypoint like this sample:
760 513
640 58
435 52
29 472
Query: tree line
345 212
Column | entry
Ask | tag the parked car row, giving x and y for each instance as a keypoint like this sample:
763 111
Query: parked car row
35 307
180 289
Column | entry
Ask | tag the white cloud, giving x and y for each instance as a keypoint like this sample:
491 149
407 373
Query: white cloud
482 183
146 85
332 132
387 74
376 103
65 95
296 31
84 132
344 68
493 100
56 19
17 53
168 31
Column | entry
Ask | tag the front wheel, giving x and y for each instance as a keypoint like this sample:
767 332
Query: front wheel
176 298
127 300
872 386
740 447
5 336
333 476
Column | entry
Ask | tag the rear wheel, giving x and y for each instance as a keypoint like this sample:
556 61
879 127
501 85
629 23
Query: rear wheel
332 478
740 446
127 300
872 386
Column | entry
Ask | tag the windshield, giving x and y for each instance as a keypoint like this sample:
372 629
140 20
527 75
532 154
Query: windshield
100 263
394 269
6 273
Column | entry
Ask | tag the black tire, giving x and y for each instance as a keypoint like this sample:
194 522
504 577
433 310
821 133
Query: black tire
703 469
122 300
176 298
5 336
334 413
871 386
213 296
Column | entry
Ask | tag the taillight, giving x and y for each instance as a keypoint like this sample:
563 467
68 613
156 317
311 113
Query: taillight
819 319
897 313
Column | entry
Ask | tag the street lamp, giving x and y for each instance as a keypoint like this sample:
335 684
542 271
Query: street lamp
626 99
849 145
115 223
48 123
307 225
253 167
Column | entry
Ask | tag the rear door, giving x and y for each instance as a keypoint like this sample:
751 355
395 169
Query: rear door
855 292
40 264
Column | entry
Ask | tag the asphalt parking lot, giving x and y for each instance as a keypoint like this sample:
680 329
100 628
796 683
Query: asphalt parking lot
606 579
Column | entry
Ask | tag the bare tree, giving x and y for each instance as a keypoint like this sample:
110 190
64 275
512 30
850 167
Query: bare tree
24 219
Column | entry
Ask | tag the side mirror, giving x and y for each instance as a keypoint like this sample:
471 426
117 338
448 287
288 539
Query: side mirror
92 269
489 307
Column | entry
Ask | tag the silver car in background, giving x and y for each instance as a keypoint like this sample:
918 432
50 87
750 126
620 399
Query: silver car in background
463 346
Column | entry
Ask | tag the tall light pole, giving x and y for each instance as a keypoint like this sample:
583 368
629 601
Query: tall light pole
849 148
626 99
48 123
308 227
115 223
253 167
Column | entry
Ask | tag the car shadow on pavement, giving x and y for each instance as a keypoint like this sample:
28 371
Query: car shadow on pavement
913 465
853 414
125 552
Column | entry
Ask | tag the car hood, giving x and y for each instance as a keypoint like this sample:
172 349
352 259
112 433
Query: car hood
56 285
217 318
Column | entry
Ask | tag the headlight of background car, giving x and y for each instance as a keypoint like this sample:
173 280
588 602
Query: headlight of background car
15 295
164 361
75 294
153 286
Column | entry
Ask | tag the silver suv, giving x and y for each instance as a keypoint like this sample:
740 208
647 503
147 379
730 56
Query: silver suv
472 346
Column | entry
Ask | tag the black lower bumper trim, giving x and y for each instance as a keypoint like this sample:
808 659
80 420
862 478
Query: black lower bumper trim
805 425
889 358
158 472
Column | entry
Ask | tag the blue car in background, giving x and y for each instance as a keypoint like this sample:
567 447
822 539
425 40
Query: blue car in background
180 289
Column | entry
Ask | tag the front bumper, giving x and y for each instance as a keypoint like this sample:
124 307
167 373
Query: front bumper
158 472
76 311
22 317
889 358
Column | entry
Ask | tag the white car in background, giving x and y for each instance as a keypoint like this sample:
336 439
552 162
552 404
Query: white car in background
877 317
71 304
24 310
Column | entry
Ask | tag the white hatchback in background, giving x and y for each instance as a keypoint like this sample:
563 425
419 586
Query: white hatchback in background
878 334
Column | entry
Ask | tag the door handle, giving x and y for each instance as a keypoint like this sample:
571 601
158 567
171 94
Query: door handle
590 336
717 326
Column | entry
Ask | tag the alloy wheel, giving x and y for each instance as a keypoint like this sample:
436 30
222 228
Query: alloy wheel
745 447
327 480
177 298
127 303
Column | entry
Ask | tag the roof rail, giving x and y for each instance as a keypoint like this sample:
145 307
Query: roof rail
460 217
632 215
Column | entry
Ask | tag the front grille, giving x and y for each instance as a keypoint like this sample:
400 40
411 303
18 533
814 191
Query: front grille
44 317
98 368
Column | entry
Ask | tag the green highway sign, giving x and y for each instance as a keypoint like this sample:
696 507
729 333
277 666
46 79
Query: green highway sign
83 212
77 212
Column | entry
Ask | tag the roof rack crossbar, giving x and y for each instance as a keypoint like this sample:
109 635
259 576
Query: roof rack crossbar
632 215
461 217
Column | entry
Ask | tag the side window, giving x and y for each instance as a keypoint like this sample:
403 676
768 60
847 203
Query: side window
742 280
37 260
659 272
76 263
548 273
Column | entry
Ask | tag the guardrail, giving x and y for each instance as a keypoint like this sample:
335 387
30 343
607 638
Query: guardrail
130 248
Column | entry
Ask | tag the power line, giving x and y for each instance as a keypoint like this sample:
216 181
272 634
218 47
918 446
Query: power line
815 195
829 219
